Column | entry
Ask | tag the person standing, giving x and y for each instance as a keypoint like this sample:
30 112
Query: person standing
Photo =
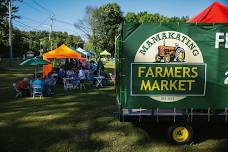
82 77
76 79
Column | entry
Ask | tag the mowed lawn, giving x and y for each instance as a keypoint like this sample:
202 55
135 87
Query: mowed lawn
83 121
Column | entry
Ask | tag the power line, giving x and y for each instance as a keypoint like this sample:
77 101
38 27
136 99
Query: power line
35 21
26 25
44 8
64 22
40 8
34 8
51 24
19 26
29 19
62 29
44 21
51 19
67 23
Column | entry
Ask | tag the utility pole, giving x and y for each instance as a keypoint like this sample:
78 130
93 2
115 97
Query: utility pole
10 32
52 18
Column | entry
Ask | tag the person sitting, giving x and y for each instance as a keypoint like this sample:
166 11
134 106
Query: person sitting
95 74
94 67
86 72
69 73
105 80
76 80
90 75
62 73
24 86
49 82
38 84
54 74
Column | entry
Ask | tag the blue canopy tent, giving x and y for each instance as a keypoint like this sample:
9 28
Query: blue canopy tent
84 52
92 53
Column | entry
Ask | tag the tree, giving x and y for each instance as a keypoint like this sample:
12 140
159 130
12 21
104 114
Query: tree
89 46
36 41
3 11
24 41
85 24
4 7
105 25
147 17
4 4
131 17
100 25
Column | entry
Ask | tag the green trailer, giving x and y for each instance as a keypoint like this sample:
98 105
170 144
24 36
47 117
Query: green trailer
175 73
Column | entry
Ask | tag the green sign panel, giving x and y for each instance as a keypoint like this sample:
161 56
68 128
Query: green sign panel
168 79
167 65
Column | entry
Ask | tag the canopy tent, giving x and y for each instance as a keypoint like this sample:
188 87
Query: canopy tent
215 13
83 55
92 53
36 61
88 54
83 51
62 52
105 53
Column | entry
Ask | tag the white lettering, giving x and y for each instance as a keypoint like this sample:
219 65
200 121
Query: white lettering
226 79
226 45
218 39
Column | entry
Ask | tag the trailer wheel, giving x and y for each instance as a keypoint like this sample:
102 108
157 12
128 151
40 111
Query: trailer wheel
180 134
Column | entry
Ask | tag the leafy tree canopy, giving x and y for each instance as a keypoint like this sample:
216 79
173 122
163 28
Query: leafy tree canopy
106 21
147 17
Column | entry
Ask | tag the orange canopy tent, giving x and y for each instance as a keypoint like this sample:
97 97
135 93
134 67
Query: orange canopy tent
62 52
215 13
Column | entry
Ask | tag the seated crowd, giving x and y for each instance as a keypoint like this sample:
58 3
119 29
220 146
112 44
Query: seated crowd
46 85
81 74
77 74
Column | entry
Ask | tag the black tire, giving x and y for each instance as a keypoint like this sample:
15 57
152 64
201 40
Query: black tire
121 116
180 141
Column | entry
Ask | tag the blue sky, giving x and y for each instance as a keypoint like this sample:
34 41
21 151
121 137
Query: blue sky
35 14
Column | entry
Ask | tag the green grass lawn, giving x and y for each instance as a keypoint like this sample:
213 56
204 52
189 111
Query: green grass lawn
82 121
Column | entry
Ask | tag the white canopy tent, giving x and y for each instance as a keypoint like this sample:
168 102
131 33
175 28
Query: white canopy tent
82 51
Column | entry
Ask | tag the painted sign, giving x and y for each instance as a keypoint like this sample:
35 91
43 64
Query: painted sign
156 79
162 49
166 65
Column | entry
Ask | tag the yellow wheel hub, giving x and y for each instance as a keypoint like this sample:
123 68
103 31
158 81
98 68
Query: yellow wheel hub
181 56
167 58
180 134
